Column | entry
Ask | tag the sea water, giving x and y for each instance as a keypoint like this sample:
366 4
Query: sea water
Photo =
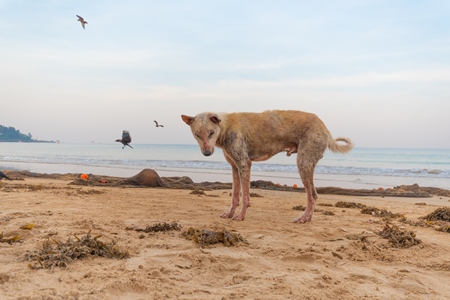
360 168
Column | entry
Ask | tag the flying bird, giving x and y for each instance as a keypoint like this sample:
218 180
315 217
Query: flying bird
82 21
126 139
3 175
157 125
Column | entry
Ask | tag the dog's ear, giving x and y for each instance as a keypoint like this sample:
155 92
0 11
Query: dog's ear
188 120
214 118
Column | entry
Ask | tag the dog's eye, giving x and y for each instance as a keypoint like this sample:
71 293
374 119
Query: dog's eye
197 135
211 133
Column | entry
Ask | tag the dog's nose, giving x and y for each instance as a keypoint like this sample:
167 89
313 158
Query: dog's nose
207 152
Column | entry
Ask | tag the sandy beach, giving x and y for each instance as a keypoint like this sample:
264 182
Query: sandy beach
339 255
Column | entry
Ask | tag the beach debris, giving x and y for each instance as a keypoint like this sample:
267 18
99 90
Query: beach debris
11 240
146 177
442 226
126 139
324 204
327 213
399 238
89 192
28 226
82 21
209 237
157 227
158 125
344 204
198 192
440 214
299 207
84 176
382 213
55 253
255 195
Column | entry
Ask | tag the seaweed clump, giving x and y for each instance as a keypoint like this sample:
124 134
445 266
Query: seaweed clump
344 204
209 237
399 238
157 227
440 214
58 254
11 240
382 213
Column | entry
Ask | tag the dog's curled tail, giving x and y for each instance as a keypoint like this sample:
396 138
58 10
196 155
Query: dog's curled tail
334 146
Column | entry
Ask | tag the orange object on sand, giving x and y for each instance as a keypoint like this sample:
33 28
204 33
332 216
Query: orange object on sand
84 176
294 186
103 181
277 184
380 189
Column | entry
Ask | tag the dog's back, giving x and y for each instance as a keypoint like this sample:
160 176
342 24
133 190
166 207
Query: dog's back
270 132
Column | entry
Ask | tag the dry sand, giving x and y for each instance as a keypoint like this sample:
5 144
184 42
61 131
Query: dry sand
336 256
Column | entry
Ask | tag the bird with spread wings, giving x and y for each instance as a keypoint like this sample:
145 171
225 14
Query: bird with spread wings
82 21
3 175
157 125
126 139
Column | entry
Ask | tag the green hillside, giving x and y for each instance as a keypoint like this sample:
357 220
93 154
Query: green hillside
10 134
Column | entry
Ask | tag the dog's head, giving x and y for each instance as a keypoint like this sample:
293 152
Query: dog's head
205 128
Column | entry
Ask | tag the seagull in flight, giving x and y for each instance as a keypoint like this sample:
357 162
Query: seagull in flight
82 21
157 125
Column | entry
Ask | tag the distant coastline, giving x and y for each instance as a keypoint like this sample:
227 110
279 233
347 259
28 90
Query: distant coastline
10 134
19 141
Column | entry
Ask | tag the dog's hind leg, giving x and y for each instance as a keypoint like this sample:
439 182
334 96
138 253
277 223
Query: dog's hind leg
307 159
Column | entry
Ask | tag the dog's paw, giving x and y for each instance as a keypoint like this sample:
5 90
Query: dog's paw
239 217
226 215
302 219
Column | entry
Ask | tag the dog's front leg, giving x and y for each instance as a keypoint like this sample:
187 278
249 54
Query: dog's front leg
244 175
235 194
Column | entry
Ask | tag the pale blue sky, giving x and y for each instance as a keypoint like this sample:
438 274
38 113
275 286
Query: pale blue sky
375 71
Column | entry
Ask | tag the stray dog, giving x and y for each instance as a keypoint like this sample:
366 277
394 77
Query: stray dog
246 137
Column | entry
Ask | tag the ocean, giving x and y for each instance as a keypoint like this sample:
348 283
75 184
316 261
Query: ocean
361 168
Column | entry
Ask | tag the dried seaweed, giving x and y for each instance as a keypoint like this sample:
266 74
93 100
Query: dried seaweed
440 214
399 238
324 204
382 213
157 227
11 240
436 225
299 207
255 195
328 213
58 254
89 192
198 192
209 237
344 204
28 226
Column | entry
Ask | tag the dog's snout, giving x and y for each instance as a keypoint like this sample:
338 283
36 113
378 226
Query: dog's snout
207 152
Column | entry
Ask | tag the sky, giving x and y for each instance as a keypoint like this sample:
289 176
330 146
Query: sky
376 71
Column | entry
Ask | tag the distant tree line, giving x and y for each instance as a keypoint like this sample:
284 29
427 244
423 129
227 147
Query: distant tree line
10 134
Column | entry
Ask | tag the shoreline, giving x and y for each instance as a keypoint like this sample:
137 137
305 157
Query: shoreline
224 176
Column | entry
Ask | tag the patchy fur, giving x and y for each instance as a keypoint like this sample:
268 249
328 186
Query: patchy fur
247 137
